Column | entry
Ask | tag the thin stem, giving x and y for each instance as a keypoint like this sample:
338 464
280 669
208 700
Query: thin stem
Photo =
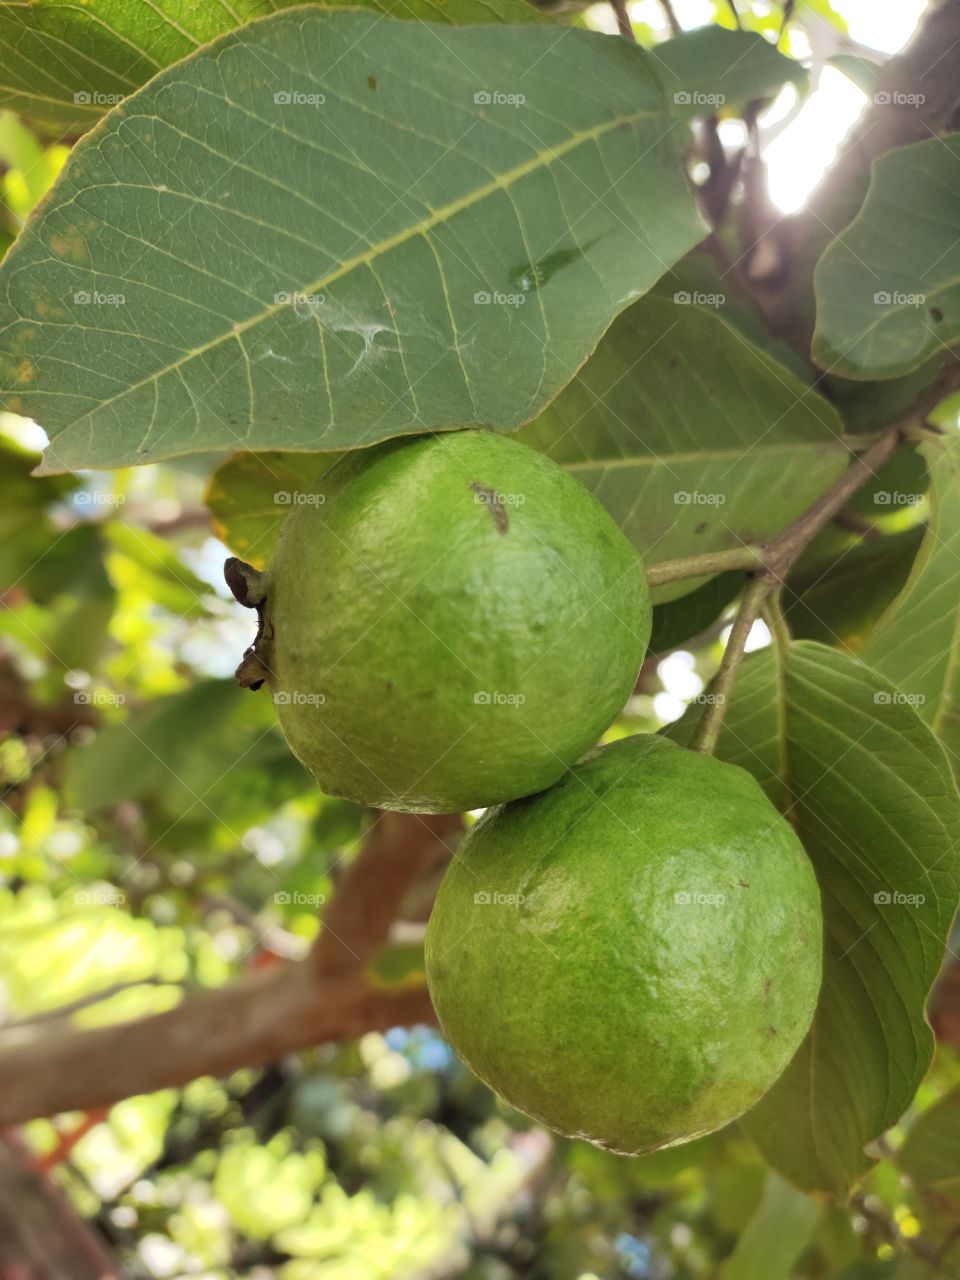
707 564
776 622
672 20
624 25
708 730
778 555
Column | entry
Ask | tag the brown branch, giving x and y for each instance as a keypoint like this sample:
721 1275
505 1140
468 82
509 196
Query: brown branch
41 1235
272 1012
399 848
624 26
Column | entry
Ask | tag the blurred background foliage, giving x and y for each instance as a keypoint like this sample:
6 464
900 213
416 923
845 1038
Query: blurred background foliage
156 837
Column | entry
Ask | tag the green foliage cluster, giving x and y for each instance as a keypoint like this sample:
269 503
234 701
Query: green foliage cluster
198 293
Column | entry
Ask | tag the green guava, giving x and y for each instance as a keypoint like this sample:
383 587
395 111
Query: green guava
449 622
632 957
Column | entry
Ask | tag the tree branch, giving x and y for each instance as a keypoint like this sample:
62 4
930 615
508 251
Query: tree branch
272 1012
399 848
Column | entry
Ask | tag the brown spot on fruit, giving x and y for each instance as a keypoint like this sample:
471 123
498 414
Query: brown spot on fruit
494 504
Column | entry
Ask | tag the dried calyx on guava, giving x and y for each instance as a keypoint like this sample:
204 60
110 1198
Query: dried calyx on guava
448 623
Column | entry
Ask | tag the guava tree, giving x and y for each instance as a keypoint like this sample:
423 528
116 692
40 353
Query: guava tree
289 243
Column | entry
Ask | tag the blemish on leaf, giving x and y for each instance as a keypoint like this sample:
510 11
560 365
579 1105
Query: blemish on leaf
701 526
494 504
372 83
767 985
70 245
26 371
936 314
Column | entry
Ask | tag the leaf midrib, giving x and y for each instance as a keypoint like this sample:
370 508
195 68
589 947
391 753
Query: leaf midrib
696 455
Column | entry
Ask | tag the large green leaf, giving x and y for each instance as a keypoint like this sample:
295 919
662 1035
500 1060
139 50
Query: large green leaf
776 1235
916 643
840 601
709 70
692 437
888 287
290 240
65 64
869 789
931 1152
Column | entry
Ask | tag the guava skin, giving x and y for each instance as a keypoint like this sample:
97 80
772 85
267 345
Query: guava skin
591 997
450 624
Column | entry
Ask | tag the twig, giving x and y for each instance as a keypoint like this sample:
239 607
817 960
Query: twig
624 25
672 21
780 554
775 558
711 562
707 731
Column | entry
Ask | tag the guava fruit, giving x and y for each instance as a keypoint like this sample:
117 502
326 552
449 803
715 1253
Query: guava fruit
633 956
448 622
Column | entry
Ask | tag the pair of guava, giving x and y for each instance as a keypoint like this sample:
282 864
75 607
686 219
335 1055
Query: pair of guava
627 948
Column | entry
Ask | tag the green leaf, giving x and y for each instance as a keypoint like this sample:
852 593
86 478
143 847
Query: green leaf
888 288
66 64
931 1152
708 70
249 495
693 438
680 620
916 643
869 790
776 1235
335 252
840 602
